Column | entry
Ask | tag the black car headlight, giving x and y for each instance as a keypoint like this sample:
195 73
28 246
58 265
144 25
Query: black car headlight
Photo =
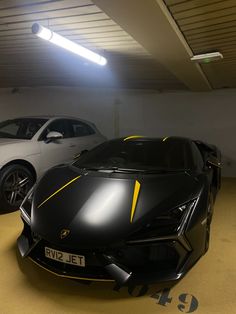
26 206
169 223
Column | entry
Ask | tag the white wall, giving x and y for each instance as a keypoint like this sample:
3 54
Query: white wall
208 116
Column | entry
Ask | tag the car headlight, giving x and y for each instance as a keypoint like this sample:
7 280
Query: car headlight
26 206
167 224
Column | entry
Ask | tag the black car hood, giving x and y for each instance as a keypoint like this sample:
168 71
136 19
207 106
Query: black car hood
96 208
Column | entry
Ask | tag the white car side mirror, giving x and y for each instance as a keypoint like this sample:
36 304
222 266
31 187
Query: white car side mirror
53 136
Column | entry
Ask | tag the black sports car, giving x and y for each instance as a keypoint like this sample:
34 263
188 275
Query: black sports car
131 210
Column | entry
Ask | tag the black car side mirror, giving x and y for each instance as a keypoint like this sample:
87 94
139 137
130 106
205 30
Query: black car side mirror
213 162
81 153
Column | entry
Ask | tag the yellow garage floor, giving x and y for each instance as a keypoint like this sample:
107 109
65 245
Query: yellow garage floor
208 288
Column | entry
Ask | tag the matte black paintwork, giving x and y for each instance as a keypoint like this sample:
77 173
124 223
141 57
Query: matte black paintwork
96 208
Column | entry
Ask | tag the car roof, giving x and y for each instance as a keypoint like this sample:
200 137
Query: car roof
32 117
152 139
48 117
53 117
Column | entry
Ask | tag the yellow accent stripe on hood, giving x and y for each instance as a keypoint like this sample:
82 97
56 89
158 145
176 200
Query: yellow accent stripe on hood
132 137
135 198
59 190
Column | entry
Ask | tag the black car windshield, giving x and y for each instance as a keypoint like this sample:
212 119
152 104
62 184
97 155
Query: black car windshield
140 155
23 128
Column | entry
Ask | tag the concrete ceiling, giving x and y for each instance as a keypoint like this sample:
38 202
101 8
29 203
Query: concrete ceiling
210 25
148 43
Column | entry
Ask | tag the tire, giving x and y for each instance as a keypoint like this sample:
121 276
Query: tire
210 205
15 182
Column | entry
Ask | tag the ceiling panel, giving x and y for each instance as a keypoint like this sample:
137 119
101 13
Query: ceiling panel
31 7
26 60
207 25
210 25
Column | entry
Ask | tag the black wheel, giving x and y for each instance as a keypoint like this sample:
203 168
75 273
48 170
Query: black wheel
15 182
209 220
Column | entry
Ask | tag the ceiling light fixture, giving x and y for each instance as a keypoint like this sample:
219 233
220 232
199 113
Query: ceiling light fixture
207 57
67 44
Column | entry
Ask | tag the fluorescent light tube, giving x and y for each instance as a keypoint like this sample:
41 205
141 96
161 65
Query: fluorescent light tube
207 57
67 44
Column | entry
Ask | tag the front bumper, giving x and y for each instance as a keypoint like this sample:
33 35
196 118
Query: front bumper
135 263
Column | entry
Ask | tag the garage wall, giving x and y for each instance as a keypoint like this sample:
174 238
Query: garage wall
59 101
207 116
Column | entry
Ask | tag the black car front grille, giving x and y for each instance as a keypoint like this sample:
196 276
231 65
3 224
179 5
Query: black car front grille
164 256
148 258
137 258
92 270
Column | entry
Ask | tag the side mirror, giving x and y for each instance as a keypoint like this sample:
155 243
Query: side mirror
81 153
53 136
213 162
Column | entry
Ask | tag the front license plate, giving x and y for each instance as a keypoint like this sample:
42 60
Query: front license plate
63 257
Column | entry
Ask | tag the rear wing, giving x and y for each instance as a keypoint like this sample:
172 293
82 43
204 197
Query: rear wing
208 150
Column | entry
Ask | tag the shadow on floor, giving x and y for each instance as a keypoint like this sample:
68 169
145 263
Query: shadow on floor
5 212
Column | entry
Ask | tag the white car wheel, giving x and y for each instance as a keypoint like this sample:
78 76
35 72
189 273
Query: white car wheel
15 182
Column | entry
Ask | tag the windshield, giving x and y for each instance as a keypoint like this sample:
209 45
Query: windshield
172 155
24 128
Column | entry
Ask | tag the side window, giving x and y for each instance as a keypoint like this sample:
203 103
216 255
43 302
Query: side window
59 125
197 157
11 128
79 128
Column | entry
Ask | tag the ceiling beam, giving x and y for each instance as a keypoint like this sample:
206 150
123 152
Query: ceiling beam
150 23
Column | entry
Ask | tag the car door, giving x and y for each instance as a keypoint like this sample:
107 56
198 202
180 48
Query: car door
84 136
58 151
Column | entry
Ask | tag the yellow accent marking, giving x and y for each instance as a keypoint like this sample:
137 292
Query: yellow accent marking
165 138
132 137
67 276
135 198
59 190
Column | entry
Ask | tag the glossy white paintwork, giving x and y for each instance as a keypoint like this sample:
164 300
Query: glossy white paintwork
42 155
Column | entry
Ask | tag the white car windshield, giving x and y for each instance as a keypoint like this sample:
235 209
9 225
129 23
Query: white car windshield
23 128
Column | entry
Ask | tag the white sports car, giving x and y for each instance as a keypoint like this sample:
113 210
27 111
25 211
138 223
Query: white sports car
29 146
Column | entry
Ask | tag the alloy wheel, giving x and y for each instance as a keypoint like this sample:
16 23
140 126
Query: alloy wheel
15 187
